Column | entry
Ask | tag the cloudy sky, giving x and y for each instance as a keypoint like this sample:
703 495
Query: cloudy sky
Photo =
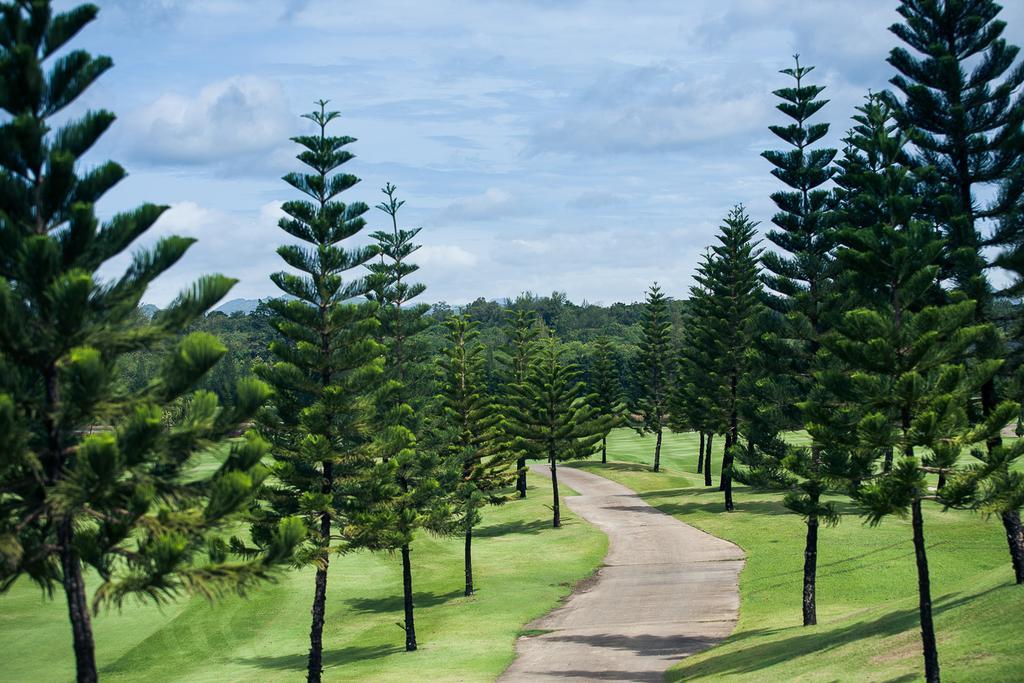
587 146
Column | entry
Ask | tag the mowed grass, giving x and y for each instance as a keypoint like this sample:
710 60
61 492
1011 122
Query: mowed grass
522 567
867 588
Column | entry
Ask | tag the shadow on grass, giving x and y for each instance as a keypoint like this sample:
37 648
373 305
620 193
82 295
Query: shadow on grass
514 527
396 603
332 658
813 640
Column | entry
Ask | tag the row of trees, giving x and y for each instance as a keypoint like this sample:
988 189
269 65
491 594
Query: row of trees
350 437
872 321
369 418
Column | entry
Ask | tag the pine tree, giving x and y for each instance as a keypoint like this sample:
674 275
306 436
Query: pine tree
697 397
961 93
652 372
606 389
515 360
731 277
801 276
327 366
125 501
418 500
479 461
552 416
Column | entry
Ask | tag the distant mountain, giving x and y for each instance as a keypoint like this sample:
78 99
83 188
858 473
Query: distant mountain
246 306
149 310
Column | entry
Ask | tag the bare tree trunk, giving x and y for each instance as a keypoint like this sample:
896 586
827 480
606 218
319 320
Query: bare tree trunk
931 652
700 455
1015 540
557 520
521 479
707 460
316 631
657 451
469 552
726 478
604 449
810 601
410 625
78 607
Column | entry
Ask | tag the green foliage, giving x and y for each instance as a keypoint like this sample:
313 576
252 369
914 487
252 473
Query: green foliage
653 367
92 473
604 384
327 362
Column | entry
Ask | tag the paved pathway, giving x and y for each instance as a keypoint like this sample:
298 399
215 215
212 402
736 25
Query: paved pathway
666 591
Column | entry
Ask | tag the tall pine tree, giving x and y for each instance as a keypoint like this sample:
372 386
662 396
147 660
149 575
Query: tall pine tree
652 371
696 398
961 93
732 278
125 501
479 462
515 359
418 500
327 366
552 416
801 277
606 388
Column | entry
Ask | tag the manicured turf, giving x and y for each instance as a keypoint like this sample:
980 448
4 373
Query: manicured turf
867 592
522 568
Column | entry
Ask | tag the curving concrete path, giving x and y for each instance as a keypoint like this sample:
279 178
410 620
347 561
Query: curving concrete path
666 591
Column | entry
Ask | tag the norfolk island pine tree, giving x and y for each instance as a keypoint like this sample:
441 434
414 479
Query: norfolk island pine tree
479 464
696 395
327 366
520 351
960 90
800 277
732 279
606 389
418 500
551 416
652 370
123 501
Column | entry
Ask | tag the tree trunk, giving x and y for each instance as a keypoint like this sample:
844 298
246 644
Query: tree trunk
604 449
557 521
726 478
521 479
316 631
700 455
1015 540
810 605
887 465
78 606
657 452
931 653
707 460
469 552
410 625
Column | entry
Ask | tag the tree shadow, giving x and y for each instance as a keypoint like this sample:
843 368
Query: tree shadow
513 527
613 466
751 659
396 603
645 644
331 658
753 507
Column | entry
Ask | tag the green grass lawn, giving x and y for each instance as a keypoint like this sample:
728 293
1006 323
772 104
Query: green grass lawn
867 590
522 569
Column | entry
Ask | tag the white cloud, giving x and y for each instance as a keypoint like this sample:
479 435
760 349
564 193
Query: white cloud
241 117
493 202
444 256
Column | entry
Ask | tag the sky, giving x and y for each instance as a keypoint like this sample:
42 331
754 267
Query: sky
584 146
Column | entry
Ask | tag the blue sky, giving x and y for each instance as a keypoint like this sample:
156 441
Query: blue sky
587 146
